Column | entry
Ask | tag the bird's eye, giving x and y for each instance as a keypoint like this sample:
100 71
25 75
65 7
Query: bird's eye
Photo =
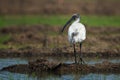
75 17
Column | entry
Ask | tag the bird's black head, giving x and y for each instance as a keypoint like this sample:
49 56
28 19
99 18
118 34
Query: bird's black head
74 17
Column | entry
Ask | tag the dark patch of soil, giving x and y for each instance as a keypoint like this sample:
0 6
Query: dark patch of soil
53 52
42 65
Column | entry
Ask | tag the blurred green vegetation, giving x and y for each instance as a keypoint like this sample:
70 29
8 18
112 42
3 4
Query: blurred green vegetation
4 38
58 20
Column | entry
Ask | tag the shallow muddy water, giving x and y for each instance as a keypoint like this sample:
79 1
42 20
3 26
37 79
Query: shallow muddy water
5 75
11 61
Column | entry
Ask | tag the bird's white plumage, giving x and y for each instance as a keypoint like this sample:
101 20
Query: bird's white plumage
76 32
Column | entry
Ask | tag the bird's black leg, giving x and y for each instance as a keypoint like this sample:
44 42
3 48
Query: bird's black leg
75 54
82 61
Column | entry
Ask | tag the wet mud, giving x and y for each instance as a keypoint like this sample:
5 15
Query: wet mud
41 65
41 53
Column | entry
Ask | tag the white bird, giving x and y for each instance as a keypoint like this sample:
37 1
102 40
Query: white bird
76 33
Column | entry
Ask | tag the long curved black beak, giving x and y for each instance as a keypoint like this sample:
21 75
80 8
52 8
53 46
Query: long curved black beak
71 19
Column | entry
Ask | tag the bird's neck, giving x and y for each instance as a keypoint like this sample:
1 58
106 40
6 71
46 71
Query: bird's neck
77 20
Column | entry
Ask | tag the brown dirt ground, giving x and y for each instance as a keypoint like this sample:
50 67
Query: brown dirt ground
42 65
34 40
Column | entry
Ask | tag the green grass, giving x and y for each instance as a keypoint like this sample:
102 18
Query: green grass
4 38
101 20
57 20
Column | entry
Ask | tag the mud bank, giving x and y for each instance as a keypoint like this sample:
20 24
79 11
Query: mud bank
41 65
53 52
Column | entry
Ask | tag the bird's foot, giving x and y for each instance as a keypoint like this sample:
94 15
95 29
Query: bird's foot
81 61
